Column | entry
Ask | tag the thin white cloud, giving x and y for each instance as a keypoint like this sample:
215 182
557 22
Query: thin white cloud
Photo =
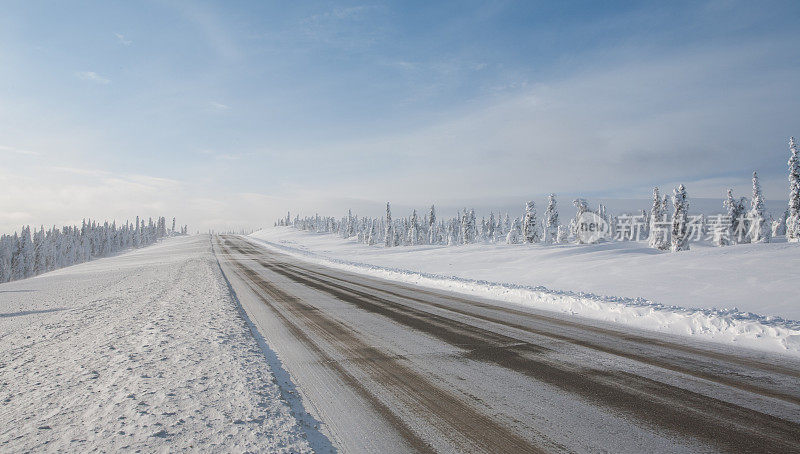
219 105
123 40
79 171
617 129
93 77
19 151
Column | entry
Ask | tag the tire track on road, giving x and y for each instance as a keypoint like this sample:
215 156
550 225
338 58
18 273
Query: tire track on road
451 415
639 357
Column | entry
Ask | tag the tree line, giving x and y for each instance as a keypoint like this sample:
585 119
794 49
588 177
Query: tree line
31 252
667 226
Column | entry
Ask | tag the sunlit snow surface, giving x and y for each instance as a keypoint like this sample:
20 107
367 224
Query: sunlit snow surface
743 294
143 351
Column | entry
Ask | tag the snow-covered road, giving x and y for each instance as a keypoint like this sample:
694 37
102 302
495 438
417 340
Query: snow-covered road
387 366
146 351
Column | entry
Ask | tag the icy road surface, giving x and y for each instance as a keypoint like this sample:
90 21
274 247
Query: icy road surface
393 367
146 351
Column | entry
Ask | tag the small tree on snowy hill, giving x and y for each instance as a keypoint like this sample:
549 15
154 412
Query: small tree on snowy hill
759 228
680 220
551 221
793 220
530 232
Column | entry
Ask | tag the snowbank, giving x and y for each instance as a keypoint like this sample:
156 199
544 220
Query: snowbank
744 294
143 351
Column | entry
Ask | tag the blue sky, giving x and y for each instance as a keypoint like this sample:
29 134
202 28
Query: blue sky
229 113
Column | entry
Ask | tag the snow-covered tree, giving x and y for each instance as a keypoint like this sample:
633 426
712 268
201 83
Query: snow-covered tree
759 227
372 233
433 231
551 221
657 238
388 239
473 224
735 210
514 235
468 227
581 206
563 234
30 253
530 232
793 220
413 231
680 220
779 225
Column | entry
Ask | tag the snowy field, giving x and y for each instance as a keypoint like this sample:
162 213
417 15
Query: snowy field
744 294
142 351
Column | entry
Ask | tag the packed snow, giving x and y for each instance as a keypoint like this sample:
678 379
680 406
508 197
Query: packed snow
744 294
143 351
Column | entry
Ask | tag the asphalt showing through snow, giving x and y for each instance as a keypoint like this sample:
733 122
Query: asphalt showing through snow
393 367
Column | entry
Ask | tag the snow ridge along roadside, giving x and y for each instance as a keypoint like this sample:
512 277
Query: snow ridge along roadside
318 441
730 326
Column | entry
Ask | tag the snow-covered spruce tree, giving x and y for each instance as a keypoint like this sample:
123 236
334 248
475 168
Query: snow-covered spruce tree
645 224
779 225
400 232
657 238
413 231
736 211
793 220
463 220
759 228
491 227
389 237
468 227
514 235
433 231
371 234
473 225
500 230
530 231
581 206
680 220
27 249
562 234
5 258
550 231
39 251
